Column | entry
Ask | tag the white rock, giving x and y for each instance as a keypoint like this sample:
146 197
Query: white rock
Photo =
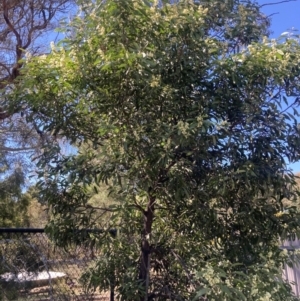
31 277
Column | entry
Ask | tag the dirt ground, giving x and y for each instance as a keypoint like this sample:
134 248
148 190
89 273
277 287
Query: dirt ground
43 294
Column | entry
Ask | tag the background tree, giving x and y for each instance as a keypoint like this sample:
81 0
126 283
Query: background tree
13 204
25 26
184 108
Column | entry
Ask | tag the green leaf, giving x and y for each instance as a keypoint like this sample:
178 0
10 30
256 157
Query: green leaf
201 292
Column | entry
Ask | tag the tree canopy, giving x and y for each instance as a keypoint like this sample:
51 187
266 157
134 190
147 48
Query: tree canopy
188 111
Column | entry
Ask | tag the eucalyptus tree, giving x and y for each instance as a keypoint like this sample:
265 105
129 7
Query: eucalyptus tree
25 29
185 111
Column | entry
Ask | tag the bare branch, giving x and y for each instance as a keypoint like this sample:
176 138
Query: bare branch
99 208
12 149
10 25
272 15
275 3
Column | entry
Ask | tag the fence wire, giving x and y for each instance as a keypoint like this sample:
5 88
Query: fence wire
32 268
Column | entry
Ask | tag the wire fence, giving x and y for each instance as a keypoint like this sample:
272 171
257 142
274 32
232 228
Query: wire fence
32 268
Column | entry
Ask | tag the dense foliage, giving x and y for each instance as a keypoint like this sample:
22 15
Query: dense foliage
185 113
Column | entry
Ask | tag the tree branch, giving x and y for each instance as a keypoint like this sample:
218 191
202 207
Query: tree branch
18 149
275 3
182 263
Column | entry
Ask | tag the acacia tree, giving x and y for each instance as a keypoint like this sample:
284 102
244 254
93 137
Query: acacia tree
184 108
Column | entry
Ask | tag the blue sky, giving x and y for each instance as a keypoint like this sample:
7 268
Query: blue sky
285 16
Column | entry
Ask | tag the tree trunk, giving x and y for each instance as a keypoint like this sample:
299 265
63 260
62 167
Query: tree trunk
145 247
